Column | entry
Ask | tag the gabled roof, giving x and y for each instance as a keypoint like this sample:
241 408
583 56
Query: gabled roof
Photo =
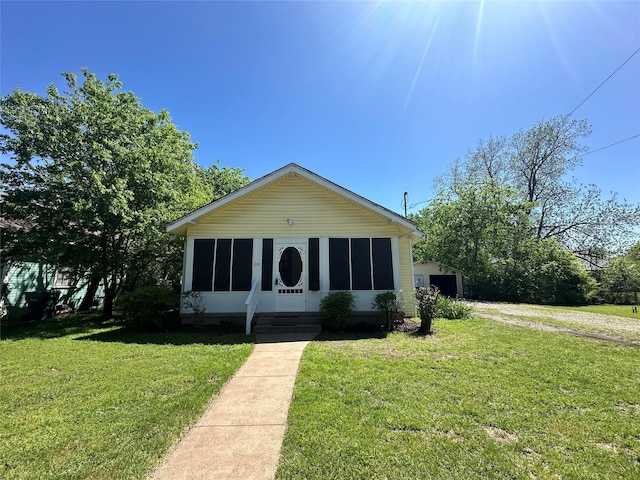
179 226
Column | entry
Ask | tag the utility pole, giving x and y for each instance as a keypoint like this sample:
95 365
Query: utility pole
405 204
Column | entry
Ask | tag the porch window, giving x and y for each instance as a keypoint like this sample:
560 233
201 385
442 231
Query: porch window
339 272
360 264
222 265
314 264
222 270
267 264
242 261
382 264
202 279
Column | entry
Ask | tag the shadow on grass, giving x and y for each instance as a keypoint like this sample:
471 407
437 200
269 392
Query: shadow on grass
171 334
185 337
361 334
78 324
59 326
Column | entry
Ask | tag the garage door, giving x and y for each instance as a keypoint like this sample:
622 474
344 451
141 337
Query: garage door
445 283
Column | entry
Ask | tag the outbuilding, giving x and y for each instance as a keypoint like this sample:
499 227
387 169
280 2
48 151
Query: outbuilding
448 280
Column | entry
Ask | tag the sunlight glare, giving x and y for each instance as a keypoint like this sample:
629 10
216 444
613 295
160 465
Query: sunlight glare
419 69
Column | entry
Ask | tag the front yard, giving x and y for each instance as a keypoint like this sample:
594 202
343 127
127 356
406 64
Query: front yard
478 400
81 400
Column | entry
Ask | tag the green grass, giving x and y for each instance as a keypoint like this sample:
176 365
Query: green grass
621 326
617 310
477 400
614 330
88 400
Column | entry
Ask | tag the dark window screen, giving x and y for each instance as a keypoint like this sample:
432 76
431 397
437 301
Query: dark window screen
202 278
360 264
339 264
242 265
267 264
314 264
223 266
382 264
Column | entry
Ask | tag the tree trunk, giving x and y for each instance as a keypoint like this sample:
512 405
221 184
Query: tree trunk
109 299
87 300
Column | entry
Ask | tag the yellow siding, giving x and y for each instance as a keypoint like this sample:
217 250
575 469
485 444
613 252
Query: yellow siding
315 211
406 274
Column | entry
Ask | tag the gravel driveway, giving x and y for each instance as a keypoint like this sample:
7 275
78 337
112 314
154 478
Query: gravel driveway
585 324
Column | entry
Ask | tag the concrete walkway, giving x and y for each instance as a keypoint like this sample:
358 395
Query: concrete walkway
240 434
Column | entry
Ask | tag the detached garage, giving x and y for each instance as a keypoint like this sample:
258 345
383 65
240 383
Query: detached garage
448 281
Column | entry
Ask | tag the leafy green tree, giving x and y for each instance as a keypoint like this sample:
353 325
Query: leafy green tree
622 276
95 177
470 228
510 219
546 273
634 254
485 231
537 164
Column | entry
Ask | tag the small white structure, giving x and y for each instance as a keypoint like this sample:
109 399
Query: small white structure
448 280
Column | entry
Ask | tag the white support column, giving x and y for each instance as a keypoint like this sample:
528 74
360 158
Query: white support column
395 256
188 264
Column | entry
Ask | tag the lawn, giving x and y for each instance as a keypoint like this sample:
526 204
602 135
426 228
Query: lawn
615 321
80 399
618 310
477 400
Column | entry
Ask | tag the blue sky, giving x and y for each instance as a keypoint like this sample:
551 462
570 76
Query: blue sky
379 97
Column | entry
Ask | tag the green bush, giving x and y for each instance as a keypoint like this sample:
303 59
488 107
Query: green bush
146 305
427 305
453 308
196 303
336 308
391 306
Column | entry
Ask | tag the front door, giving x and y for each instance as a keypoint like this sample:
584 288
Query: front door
290 277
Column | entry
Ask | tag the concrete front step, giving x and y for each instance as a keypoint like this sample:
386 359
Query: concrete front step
287 323
287 319
310 328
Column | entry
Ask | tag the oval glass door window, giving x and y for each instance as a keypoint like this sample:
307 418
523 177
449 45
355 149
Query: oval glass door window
290 266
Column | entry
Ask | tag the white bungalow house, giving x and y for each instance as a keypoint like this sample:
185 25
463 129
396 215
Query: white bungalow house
282 242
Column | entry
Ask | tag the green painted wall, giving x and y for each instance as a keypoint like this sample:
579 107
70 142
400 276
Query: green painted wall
25 278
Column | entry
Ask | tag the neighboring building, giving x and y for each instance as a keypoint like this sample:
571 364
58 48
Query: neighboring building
448 281
29 284
286 240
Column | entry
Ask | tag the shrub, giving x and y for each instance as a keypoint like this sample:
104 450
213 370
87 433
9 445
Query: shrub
146 305
453 308
336 308
391 306
195 301
427 305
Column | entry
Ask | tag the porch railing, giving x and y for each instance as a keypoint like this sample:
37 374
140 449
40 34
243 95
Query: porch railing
251 304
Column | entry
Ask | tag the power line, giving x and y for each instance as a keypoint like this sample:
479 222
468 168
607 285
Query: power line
606 80
610 145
